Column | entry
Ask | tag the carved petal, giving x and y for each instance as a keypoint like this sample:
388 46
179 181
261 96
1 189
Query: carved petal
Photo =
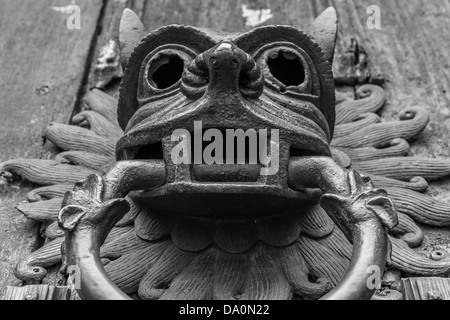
230 275
413 122
127 271
316 223
371 98
94 161
411 262
46 172
196 281
420 207
152 226
323 262
406 168
102 103
43 210
278 231
76 138
32 268
98 123
123 244
236 237
338 243
159 277
192 236
49 192
266 281
293 265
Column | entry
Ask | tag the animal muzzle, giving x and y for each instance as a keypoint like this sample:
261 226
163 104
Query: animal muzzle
225 69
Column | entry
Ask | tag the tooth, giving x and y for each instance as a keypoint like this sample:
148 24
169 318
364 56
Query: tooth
127 176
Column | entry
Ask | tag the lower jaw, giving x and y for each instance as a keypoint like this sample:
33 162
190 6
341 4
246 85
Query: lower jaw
226 201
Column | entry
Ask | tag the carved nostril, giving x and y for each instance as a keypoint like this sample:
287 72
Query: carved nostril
225 60
214 62
227 67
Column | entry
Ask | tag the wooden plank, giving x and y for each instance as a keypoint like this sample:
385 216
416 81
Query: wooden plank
402 49
411 49
354 63
43 63
350 60
426 288
106 65
106 70
226 15
34 292
40 292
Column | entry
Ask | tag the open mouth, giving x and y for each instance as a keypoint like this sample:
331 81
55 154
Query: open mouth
232 185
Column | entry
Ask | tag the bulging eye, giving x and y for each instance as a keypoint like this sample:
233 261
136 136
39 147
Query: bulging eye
287 68
165 71
162 70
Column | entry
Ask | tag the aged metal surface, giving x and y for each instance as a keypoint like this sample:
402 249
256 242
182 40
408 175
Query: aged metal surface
374 42
225 73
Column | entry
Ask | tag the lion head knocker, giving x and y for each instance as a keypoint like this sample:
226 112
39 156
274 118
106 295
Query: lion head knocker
225 171
231 218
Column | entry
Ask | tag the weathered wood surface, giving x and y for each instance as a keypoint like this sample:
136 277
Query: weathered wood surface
46 66
40 292
426 289
42 71
411 50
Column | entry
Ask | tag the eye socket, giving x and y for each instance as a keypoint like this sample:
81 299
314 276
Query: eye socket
165 71
287 68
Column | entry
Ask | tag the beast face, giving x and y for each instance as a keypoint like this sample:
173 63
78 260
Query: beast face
232 228
270 79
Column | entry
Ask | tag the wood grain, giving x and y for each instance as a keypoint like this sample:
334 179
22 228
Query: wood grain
43 68
40 292
426 288
411 50
46 66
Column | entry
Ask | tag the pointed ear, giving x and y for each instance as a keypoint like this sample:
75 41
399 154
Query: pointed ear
324 31
131 32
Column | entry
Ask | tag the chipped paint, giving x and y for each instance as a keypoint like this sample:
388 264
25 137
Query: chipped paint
255 17
108 65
